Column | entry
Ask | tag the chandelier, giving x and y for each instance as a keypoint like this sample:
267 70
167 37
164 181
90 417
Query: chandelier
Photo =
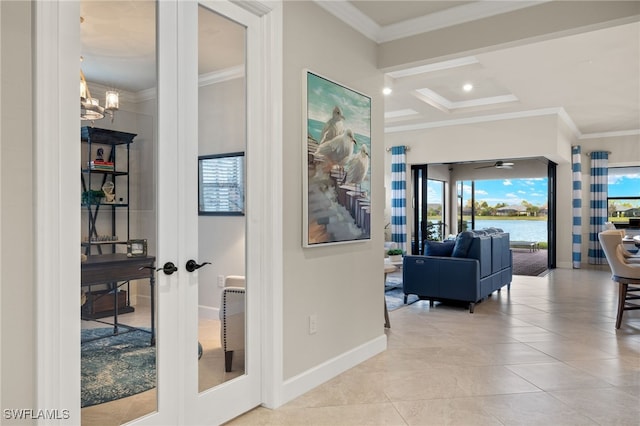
90 108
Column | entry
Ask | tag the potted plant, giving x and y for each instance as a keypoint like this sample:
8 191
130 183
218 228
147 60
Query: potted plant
395 255
92 196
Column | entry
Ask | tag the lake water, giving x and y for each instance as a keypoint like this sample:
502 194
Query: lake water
519 230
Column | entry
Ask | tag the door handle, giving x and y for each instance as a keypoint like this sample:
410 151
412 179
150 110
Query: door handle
192 265
168 268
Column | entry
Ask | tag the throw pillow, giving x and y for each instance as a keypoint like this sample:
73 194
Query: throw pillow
439 248
463 242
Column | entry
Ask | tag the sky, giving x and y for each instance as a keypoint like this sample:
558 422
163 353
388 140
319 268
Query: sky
510 191
323 95
624 182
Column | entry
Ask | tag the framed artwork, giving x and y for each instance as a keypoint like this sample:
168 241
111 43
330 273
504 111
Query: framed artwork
137 248
221 184
336 163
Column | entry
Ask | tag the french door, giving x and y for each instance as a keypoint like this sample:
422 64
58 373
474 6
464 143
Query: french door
179 399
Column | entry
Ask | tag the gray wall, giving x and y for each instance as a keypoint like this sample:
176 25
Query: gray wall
17 252
342 284
221 239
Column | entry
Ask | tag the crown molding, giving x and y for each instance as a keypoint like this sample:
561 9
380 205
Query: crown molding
568 121
440 102
221 75
348 13
616 134
560 112
438 66
149 94
485 119
98 91
450 17
352 16
257 7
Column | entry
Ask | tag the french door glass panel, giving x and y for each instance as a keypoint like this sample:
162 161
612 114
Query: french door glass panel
114 35
221 224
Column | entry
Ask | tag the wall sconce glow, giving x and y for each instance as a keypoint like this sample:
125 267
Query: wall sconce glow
386 91
467 87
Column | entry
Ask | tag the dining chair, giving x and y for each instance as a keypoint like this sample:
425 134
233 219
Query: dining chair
626 274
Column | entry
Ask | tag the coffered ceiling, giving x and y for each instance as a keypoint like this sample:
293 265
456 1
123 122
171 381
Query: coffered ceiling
589 78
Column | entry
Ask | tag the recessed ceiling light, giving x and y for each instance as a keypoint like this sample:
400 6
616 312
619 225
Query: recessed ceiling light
467 87
387 91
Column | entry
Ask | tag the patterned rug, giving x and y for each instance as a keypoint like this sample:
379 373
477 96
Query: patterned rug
395 298
114 367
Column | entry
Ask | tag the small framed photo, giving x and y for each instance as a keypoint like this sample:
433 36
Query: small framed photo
136 248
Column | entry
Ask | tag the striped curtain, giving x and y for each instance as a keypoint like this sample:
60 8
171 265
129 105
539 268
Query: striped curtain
576 167
598 205
399 197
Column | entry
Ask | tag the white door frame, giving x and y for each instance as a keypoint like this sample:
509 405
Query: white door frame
57 216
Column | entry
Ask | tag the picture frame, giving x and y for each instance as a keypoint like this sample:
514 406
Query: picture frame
336 163
137 248
221 184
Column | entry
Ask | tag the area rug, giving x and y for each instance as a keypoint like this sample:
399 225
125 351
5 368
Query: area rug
531 263
395 298
115 367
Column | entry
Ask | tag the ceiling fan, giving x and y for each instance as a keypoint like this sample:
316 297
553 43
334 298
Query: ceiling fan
498 165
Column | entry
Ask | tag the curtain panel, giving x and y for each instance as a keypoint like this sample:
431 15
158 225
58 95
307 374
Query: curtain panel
399 197
576 167
598 205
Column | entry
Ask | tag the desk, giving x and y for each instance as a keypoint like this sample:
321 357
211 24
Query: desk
117 267
388 268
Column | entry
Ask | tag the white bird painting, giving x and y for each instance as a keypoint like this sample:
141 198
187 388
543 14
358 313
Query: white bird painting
334 126
357 166
337 150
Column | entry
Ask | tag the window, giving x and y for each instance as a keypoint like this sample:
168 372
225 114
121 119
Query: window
221 184
435 210
516 205
623 188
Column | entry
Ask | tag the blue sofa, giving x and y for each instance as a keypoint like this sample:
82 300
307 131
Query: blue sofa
468 269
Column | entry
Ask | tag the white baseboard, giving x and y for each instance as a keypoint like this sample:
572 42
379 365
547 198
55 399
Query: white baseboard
140 300
304 382
207 312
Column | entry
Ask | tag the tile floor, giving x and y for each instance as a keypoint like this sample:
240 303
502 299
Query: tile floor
545 353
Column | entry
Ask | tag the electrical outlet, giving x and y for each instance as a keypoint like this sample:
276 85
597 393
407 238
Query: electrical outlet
313 324
220 281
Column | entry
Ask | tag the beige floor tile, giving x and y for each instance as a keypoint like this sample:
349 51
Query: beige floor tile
536 408
557 376
604 406
616 371
378 414
569 350
441 412
349 388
